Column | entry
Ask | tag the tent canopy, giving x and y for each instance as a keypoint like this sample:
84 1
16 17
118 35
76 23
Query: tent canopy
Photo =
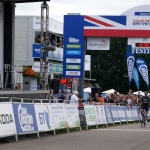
141 93
109 91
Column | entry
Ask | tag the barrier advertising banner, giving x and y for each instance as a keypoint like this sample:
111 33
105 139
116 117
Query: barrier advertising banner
90 114
115 114
129 114
121 112
135 113
108 114
143 69
25 118
100 115
44 117
59 115
72 115
7 121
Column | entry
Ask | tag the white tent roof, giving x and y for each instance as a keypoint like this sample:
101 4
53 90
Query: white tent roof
109 91
136 93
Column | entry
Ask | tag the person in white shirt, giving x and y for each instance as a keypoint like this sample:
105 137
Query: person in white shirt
74 98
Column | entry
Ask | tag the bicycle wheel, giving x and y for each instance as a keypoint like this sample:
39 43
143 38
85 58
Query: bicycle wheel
143 121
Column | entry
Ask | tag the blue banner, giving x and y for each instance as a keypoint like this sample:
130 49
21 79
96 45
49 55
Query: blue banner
36 50
25 118
56 55
108 114
136 77
115 114
121 112
128 114
135 113
143 69
73 46
130 62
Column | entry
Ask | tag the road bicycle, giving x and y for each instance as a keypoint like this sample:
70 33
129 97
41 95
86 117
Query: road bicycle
143 119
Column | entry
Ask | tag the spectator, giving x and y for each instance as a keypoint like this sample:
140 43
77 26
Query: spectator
106 99
74 98
101 99
130 92
62 96
96 99
90 98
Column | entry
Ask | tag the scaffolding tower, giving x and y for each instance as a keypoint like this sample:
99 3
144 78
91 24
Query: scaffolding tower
45 45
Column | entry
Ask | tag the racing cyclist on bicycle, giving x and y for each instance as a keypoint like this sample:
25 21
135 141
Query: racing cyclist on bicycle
144 104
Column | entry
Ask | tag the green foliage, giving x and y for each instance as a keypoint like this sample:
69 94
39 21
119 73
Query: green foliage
109 68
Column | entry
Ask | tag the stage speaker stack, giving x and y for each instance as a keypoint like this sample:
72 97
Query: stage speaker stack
55 83
95 90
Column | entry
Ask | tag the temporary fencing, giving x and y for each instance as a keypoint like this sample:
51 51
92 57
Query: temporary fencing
25 116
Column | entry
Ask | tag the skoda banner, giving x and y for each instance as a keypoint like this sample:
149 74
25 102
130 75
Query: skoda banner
130 62
25 118
143 69
44 117
136 77
7 121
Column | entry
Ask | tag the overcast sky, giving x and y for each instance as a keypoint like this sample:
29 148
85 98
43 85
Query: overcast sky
58 8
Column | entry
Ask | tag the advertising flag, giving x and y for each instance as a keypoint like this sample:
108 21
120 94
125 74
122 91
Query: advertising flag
143 69
130 62
136 77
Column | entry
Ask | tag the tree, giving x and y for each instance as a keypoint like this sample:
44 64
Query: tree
109 68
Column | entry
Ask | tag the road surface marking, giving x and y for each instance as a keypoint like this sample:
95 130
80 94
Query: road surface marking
121 130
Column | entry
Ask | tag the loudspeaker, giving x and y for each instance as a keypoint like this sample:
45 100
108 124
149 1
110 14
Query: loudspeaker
55 85
96 90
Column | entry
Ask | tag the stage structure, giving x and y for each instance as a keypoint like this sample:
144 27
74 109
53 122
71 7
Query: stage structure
134 23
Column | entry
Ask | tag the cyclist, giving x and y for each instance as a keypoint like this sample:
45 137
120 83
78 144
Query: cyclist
144 104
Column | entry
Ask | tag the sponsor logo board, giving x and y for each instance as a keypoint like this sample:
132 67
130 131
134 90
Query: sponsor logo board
73 73
73 46
73 52
73 67
72 60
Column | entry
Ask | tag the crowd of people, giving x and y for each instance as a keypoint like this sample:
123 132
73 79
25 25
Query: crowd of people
127 100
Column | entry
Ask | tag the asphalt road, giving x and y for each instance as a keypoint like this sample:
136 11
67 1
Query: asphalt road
124 137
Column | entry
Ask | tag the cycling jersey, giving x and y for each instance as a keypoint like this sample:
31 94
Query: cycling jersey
145 100
145 103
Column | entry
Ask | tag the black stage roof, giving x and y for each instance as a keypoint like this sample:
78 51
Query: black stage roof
22 1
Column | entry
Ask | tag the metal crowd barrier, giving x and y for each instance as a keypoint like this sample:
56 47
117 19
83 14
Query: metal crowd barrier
41 115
